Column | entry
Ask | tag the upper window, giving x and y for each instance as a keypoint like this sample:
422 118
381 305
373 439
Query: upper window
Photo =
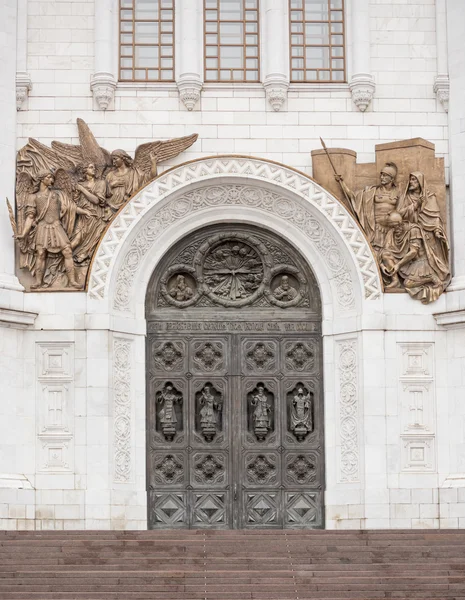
146 40
317 40
231 40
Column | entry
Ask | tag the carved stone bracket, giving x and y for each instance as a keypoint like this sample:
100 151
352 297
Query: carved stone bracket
189 86
103 86
276 87
441 89
23 86
362 87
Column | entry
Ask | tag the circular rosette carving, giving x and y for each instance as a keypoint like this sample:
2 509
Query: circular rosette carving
234 269
288 286
179 286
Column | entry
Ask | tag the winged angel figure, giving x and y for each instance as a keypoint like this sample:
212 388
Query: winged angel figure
67 194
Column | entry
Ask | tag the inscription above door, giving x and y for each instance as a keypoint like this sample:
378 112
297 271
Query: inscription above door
234 385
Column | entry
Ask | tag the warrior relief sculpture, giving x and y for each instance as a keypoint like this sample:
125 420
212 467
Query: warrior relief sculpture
67 195
404 225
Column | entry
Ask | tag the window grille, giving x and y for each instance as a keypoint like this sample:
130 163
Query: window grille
231 33
317 41
146 40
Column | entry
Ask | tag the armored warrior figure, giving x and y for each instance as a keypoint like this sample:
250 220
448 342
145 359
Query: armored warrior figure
49 217
374 204
261 413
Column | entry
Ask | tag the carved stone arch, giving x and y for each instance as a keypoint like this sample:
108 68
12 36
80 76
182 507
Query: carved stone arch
228 189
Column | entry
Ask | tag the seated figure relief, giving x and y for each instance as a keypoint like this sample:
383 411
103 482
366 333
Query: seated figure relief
67 195
401 217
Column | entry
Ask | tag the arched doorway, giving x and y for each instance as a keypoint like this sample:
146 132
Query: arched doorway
234 384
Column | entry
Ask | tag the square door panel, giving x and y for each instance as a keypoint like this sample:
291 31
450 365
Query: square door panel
209 469
303 469
209 356
167 469
262 509
210 509
168 510
259 356
168 355
303 510
261 469
300 355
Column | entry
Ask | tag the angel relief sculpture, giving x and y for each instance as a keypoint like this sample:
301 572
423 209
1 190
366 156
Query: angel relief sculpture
67 195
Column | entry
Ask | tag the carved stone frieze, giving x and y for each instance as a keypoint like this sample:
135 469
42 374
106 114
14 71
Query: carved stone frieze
348 409
122 424
180 207
402 214
67 195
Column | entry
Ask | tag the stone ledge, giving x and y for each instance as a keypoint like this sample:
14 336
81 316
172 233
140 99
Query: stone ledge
454 319
15 481
16 318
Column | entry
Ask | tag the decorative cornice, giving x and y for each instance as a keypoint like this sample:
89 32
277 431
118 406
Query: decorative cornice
18 319
276 86
23 86
189 86
103 86
362 87
454 319
442 89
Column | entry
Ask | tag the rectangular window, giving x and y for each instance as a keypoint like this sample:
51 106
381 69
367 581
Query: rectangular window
146 40
231 32
317 41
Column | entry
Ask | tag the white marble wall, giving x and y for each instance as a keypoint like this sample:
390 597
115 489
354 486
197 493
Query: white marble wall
88 470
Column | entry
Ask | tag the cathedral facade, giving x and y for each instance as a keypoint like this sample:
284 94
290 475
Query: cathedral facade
232 278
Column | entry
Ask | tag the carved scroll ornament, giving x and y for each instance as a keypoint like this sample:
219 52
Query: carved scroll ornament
67 195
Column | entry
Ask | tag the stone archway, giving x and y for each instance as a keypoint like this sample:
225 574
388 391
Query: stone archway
245 191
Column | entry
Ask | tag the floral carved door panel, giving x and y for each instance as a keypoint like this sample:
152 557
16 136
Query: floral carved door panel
234 387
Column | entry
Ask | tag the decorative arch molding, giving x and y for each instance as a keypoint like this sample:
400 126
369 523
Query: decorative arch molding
254 186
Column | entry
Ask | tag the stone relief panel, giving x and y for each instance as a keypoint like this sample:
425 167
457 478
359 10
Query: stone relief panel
122 407
67 195
235 270
55 406
348 411
416 392
403 213
289 210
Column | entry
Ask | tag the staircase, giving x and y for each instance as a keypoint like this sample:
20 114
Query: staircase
232 565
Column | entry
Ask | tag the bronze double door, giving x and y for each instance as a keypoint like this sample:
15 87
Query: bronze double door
235 426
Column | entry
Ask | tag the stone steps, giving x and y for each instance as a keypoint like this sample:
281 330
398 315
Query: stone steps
232 565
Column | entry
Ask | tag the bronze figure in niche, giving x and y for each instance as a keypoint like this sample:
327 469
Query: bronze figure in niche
67 195
210 402
402 216
168 419
261 415
301 408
